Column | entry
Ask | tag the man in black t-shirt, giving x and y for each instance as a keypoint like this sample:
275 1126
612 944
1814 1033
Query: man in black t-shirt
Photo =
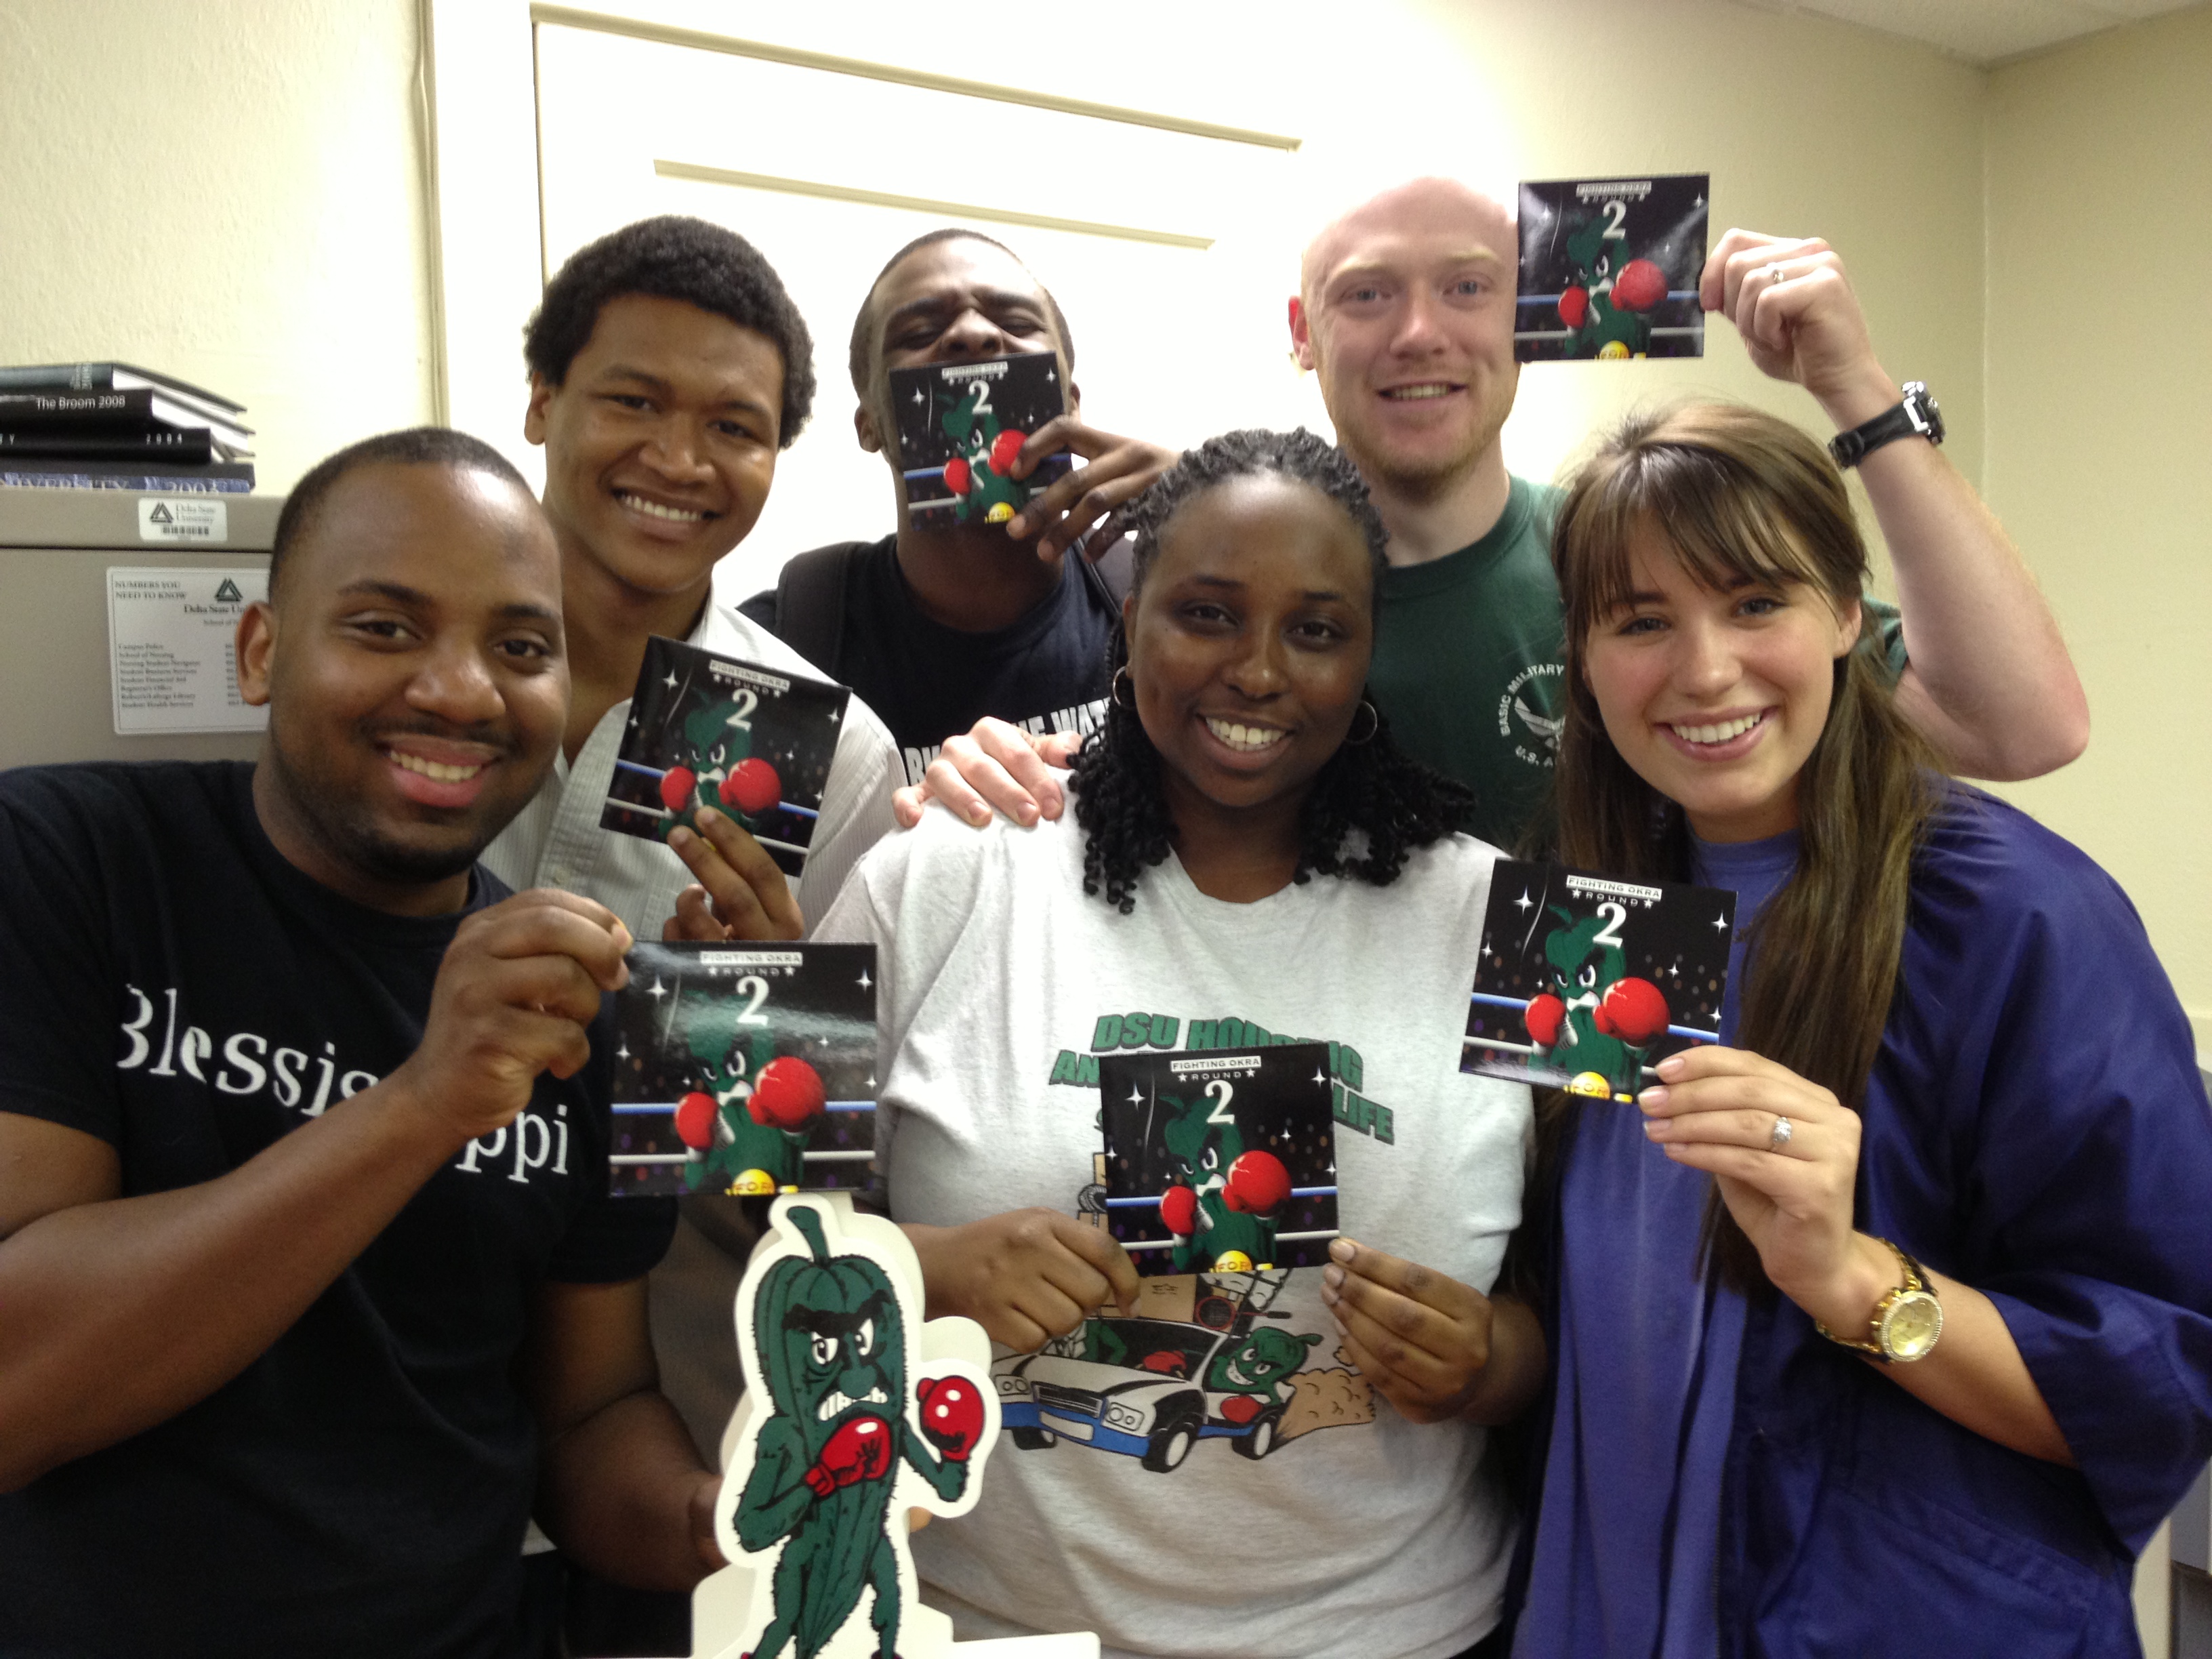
935 628
313 1291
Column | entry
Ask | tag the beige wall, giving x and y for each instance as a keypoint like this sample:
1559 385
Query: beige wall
226 189
2100 455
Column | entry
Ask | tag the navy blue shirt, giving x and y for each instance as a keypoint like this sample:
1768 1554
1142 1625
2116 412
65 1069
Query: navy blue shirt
174 987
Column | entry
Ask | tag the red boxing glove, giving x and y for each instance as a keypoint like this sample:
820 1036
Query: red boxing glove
1257 1185
955 476
1544 1017
677 784
1179 1210
1574 306
860 1450
694 1121
952 1415
1632 1010
1240 1409
1005 448
751 787
787 1093
1640 286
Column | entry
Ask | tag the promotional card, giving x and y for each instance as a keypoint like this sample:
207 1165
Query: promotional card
1220 1162
748 1069
1609 268
707 730
960 426
1585 983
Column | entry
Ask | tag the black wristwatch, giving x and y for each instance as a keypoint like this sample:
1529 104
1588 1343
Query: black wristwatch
1917 414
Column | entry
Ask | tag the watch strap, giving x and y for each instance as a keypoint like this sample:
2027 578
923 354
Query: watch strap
1915 1279
1913 417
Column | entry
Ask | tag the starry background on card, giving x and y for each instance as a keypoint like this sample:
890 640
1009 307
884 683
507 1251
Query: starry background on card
794 731
1281 1109
821 1013
1675 944
1669 227
1026 396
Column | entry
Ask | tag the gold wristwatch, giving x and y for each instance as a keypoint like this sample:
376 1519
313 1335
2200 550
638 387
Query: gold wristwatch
1906 1322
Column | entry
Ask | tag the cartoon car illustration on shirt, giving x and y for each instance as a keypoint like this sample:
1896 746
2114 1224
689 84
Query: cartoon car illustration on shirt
1153 1389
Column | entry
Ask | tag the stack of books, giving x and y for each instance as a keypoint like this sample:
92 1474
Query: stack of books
109 426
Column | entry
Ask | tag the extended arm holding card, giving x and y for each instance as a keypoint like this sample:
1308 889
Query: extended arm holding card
1715 1109
124 1311
1989 681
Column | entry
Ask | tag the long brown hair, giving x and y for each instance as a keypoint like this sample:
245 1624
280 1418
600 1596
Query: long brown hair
1739 494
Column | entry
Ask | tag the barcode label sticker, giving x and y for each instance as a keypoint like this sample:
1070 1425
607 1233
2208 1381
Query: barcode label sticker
183 518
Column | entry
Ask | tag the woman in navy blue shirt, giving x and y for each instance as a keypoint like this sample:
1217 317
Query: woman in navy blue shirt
1885 1325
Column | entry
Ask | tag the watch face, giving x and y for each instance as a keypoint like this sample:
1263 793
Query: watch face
1928 418
1909 1331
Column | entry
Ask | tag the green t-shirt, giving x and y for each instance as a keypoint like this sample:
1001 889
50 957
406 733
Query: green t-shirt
1470 664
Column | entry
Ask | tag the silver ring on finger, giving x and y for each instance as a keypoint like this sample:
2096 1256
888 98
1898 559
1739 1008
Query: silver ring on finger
1778 1136
1774 274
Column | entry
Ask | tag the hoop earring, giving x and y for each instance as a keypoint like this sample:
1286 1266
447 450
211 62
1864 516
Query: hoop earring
1374 724
1114 690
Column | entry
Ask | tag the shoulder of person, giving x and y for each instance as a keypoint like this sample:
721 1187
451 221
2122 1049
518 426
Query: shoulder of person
1457 863
1987 869
944 843
101 796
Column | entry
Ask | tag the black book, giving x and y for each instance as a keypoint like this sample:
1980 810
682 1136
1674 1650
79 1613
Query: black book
134 409
165 444
112 377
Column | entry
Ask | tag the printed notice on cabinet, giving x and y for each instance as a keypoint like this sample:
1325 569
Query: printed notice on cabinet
172 652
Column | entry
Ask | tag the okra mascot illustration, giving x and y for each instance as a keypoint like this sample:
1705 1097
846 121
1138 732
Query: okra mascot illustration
1607 304
828 1363
1598 1021
978 474
720 769
1222 1210
745 1129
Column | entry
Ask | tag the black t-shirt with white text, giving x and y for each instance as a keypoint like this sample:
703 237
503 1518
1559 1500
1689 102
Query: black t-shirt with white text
1046 671
173 985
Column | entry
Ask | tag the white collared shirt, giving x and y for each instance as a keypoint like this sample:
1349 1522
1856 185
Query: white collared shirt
557 842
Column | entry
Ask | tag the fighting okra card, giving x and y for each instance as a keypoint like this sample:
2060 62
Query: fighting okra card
1220 1162
705 729
960 426
745 1068
1609 268
1585 983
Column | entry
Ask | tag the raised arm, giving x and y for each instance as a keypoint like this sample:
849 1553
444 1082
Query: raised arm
1989 681
121 1312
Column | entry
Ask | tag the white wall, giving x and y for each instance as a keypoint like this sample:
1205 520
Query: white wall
228 191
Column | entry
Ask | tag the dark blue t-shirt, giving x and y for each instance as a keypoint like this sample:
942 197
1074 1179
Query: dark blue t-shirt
177 988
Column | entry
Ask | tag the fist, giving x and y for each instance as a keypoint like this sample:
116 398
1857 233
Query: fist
1632 1010
1258 1183
677 784
694 1121
1004 448
1574 306
951 1414
751 787
1544 1017
1640 286
955 476
1179 1210
860 1450
786 1094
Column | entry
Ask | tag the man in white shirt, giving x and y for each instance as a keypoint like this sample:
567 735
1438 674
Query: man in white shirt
668 368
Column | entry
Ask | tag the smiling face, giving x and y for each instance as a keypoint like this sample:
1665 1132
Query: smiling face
1716 697
1248 642
954 301
414 670
1407 318
661 445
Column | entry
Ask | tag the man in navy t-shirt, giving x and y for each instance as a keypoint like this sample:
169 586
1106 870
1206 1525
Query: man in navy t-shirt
313 1293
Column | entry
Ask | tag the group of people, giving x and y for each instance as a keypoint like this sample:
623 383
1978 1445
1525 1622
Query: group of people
1891 1312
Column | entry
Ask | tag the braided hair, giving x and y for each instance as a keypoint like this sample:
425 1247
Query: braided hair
1369 806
